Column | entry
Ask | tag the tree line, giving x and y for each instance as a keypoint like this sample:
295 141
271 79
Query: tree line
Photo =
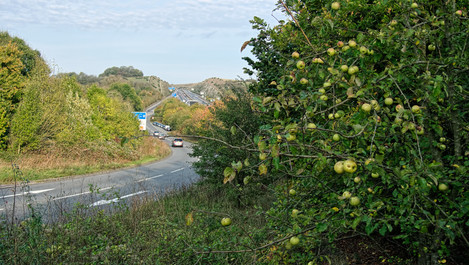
40 111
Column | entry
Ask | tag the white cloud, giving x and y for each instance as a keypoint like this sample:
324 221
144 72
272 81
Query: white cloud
134 15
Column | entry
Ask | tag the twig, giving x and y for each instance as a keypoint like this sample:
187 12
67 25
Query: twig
296 21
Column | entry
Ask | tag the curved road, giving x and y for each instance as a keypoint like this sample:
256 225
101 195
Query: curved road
52 199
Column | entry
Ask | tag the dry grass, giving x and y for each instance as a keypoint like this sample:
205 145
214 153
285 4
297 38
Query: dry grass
58 162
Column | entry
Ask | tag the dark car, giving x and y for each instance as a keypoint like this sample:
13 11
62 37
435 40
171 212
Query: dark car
177 143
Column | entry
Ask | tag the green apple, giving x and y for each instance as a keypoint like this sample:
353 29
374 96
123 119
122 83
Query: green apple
294 241
344 68
388 101
414 5
336 137
226 221
327 84
318 60
393 22
331 51
442 139
354 201
357 179
331 116
335 5
339 167
458 12
311 126
353 70
295 55
350 166
442 187
322 90
345 48
303 81
323 97
416 109
352 44
374 174
340 44
399 108
363 50
420 130
431 47
300 65
346 194
366 107
292 192
294 213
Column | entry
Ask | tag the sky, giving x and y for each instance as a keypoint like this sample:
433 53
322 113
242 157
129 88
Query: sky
179 41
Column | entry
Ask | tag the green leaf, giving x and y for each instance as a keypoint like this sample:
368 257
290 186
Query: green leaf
383 230
233 130
321 227
229 174
356 221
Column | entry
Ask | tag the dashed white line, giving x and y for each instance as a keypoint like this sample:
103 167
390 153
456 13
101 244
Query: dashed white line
154 177
102 202
174 171
25 193
79 194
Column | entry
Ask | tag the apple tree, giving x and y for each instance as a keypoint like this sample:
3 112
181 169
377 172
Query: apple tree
365 117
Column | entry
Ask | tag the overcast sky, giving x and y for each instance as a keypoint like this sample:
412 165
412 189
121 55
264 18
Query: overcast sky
180 41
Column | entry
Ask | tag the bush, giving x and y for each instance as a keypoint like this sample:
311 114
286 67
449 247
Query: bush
382 86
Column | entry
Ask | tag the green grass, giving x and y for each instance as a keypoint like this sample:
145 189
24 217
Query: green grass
6 173
149 231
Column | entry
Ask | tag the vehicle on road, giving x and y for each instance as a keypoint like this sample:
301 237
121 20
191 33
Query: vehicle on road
156 134
162 136
178 142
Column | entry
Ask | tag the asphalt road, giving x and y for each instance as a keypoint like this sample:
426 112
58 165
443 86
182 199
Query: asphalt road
53 199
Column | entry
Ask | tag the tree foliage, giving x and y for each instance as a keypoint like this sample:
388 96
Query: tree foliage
11 85
128 93
125 71
232 123
382 86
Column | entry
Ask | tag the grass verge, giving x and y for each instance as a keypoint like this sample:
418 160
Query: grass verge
56 163
180 228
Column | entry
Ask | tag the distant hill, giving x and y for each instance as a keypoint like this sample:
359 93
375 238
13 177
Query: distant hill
215 88
152 88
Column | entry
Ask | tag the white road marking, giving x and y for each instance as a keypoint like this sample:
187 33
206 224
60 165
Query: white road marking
79 194
102 202
2 209
25 193
154 177
174 171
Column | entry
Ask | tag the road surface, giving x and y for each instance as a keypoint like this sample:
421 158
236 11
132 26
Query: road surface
53 199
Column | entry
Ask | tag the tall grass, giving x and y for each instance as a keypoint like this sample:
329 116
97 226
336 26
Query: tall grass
150 230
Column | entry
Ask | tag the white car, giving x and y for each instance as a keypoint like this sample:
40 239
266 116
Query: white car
177 143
